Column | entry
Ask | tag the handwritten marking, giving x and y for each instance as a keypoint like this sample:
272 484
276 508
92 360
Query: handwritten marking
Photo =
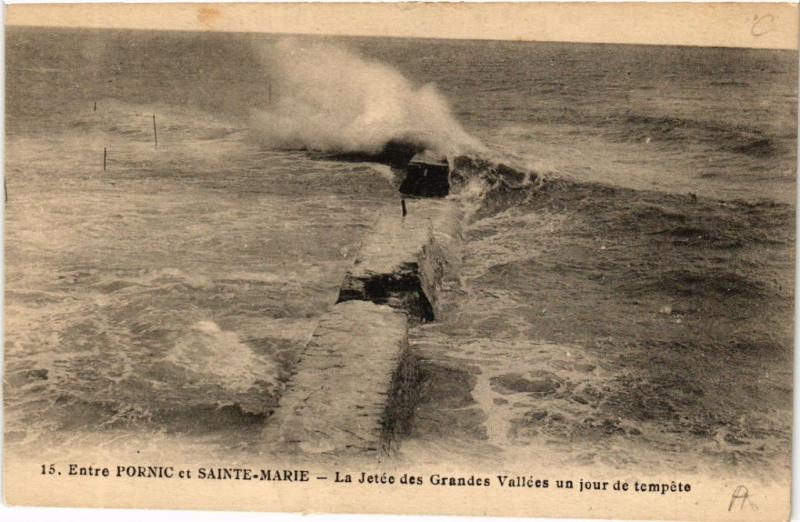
742 495
762 25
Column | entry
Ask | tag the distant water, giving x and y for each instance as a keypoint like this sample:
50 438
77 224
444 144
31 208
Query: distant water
639 301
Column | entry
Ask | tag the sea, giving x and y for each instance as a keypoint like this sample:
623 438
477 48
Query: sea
178 219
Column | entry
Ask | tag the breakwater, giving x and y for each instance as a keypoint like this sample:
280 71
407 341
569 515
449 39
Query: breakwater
354 388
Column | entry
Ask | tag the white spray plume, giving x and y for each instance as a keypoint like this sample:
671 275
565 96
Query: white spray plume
328 98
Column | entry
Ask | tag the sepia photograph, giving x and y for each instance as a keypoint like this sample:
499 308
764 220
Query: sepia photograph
465 259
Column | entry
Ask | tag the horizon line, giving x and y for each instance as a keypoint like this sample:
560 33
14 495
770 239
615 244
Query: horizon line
724 25
399 37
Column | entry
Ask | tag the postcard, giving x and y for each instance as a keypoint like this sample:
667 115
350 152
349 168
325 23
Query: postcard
468 259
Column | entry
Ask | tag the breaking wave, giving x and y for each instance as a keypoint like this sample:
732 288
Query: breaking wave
201 352
329 98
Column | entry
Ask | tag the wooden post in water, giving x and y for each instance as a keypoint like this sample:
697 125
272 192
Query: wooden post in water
105 153
403 204
155 132
95 106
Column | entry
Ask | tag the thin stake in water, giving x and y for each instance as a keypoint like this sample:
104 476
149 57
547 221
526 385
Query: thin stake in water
95 106
403 204
105 154
155 132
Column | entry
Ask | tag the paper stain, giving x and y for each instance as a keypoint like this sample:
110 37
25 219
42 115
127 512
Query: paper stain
207 16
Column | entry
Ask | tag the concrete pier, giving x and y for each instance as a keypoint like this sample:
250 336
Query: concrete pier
354 390
350 391
427 175
402 261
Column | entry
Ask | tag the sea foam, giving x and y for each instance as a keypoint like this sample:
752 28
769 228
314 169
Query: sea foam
329 98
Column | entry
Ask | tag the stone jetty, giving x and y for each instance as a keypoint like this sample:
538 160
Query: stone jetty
354 388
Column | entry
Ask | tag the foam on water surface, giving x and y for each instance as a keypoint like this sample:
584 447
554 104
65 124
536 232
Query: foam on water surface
125 285
183 278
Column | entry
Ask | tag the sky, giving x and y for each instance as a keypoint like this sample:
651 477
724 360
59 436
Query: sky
764 25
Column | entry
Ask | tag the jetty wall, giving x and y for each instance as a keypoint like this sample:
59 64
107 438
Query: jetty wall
354 388
403 260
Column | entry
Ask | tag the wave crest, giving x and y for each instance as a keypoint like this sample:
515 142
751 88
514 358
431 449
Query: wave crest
329 98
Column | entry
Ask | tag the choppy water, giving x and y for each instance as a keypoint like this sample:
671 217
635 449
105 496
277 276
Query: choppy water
606 311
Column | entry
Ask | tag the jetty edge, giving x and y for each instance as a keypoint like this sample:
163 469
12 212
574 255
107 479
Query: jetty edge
356 382
427 175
